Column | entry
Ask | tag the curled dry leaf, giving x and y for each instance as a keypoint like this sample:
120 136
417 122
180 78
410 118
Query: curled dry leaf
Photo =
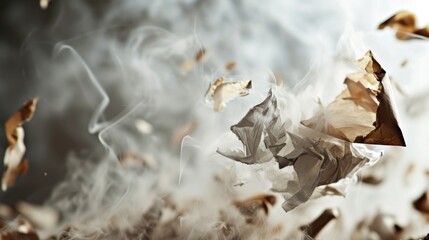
365 111
200 56
221 92
314 228
13 164
405 24
318 163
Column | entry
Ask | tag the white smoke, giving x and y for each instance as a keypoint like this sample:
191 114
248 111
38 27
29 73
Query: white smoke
99 67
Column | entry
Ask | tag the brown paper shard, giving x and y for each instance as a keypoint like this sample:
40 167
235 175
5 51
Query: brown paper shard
13 164
314 228
365 111
221 92
405 24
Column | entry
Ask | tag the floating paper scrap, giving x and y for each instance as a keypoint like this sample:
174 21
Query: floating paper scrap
315 162
13 164
251 205
221 92
365 111
405 24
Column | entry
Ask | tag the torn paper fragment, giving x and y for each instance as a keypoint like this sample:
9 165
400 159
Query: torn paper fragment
13 164
364 112
319 163
250 132
405 24
221 92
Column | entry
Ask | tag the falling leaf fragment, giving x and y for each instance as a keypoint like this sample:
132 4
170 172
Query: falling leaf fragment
13 164
200 56
365 111
314 228
405 24
221 92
